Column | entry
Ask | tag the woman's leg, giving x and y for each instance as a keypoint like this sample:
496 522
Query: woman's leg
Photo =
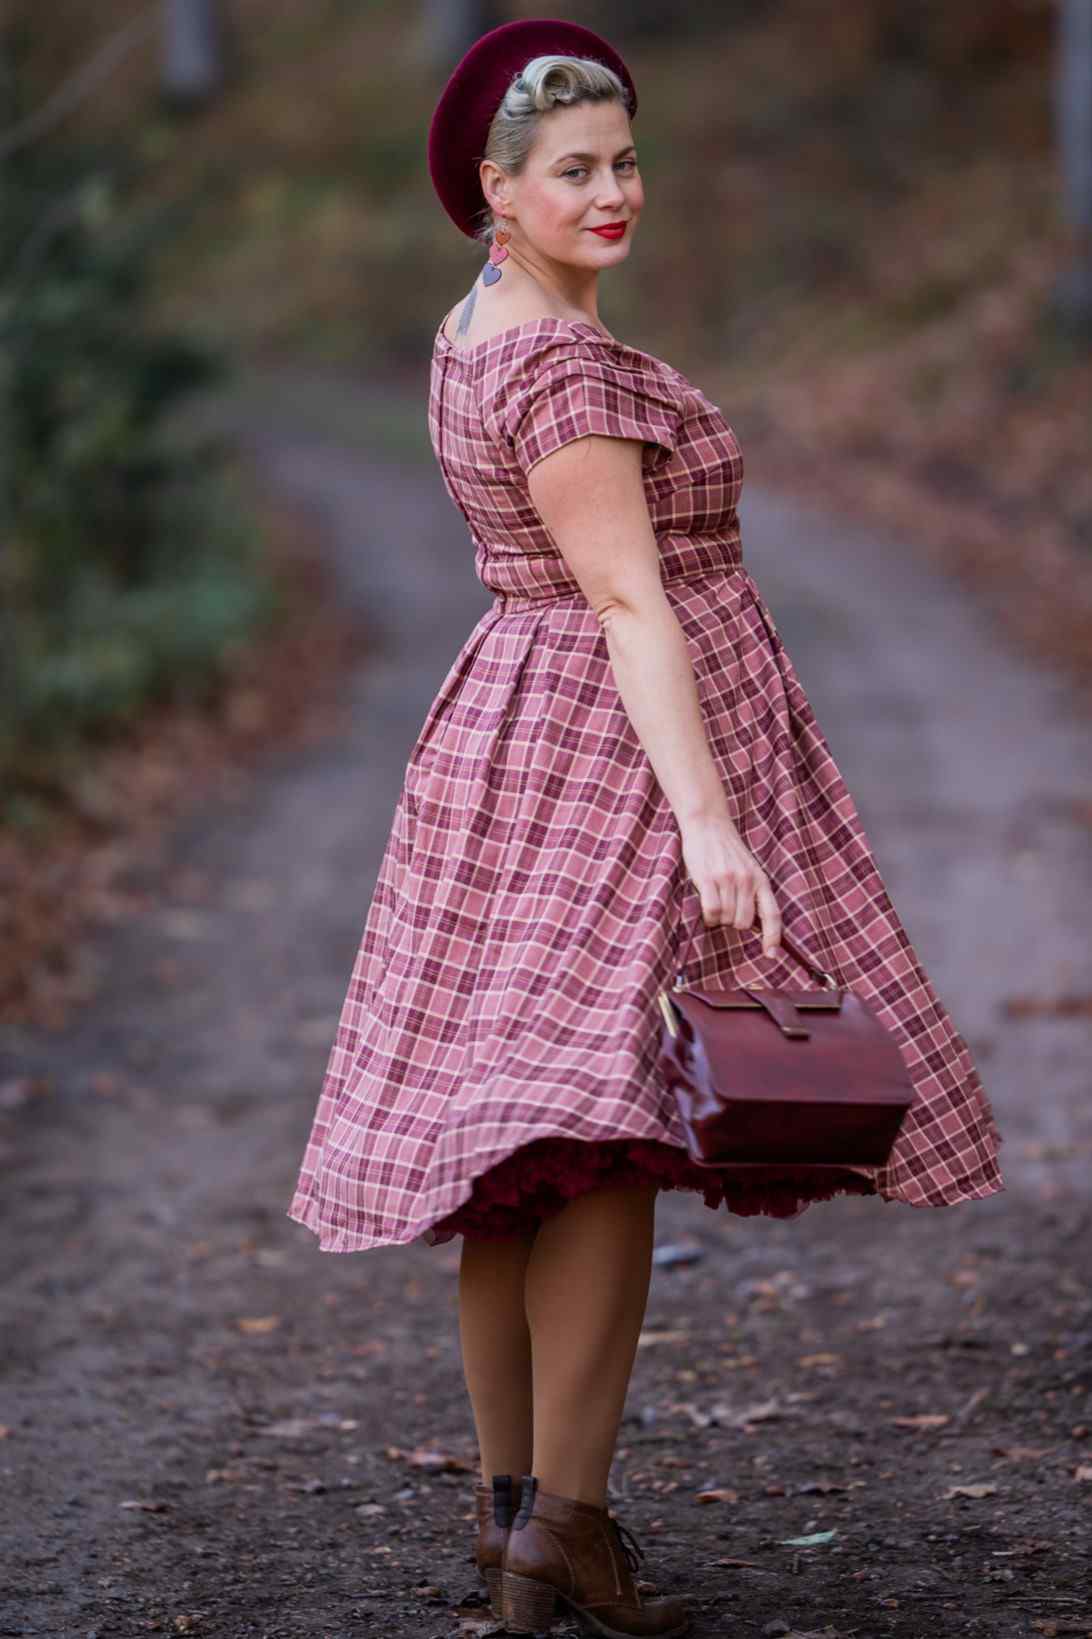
586 1291
496 1350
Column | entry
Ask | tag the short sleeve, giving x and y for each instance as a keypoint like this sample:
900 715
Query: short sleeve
577 390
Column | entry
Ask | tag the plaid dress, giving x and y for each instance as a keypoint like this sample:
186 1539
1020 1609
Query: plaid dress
496 1051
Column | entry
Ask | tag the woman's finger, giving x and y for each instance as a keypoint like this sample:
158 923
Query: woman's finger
745 904
770 917
727 892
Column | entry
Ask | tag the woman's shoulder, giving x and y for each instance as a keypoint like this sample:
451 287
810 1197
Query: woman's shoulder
547 380
547 363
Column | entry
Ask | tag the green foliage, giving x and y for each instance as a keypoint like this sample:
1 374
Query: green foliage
129 567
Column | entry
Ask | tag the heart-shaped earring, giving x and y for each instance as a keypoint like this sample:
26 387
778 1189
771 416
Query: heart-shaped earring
497 254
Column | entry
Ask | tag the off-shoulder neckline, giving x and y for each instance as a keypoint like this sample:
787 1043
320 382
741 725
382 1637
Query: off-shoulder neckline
528 324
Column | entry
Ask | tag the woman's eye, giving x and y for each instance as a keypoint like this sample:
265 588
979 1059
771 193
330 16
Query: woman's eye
577 170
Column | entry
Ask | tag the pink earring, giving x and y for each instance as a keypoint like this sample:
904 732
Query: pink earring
497 253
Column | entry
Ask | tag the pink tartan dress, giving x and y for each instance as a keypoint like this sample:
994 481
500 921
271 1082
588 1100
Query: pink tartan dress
496 1051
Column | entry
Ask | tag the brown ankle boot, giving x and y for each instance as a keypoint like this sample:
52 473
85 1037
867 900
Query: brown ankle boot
496 1505
564 1551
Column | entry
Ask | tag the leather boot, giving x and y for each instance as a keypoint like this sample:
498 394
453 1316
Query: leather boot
496 1505
563 1552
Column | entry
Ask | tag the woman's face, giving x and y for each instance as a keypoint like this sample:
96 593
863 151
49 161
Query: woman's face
580 175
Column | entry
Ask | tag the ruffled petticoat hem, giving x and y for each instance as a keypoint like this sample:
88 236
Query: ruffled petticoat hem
535 1181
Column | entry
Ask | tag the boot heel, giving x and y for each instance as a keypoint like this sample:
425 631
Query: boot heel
526 1606
493 1583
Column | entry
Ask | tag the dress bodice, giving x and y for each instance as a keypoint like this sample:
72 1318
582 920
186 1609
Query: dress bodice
499 406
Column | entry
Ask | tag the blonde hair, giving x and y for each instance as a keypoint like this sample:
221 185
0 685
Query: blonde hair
542 84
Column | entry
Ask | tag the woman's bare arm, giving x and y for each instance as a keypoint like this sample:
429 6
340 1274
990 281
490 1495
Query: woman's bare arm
590 496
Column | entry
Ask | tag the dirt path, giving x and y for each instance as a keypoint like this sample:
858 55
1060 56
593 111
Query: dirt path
209 1427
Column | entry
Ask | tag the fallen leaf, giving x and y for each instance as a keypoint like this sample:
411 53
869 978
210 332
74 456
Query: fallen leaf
289 1428
808 1542
1043 1150
647 1339
1084 1472
1071 1007
144 1506
1022 1454
764 1413
474 1625
723 1495
699 1418
819 1359
259 1324
432 1461
975 1491
752 1564
926 1419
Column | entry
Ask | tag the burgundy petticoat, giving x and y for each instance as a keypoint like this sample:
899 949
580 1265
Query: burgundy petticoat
535 1181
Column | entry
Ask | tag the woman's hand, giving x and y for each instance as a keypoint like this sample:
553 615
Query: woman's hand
729 879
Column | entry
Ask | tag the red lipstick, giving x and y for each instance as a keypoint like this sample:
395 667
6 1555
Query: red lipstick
611 230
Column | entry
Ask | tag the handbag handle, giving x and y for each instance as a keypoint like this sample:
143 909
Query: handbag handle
805 960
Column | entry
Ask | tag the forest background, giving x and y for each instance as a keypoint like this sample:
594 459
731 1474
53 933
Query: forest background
859 238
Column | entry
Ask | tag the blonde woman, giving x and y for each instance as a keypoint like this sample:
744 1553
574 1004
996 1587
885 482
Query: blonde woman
618 768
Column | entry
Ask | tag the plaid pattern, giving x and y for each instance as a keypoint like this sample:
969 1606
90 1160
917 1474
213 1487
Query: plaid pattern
532 896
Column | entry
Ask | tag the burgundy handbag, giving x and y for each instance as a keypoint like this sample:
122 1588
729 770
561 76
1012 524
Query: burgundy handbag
807 1077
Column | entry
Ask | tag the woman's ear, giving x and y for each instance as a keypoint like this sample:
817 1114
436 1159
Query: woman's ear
494 185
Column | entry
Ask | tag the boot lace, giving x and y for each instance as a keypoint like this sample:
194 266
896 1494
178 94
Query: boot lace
628 1543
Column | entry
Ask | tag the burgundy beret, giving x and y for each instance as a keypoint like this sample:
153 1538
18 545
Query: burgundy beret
471 97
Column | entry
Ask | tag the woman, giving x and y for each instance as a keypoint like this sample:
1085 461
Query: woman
619 765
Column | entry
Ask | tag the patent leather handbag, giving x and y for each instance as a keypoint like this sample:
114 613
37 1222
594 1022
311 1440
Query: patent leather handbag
808 1077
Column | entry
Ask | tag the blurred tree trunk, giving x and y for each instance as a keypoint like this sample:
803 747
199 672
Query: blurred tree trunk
450 27
7 616
193 58
7 119
1073 110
